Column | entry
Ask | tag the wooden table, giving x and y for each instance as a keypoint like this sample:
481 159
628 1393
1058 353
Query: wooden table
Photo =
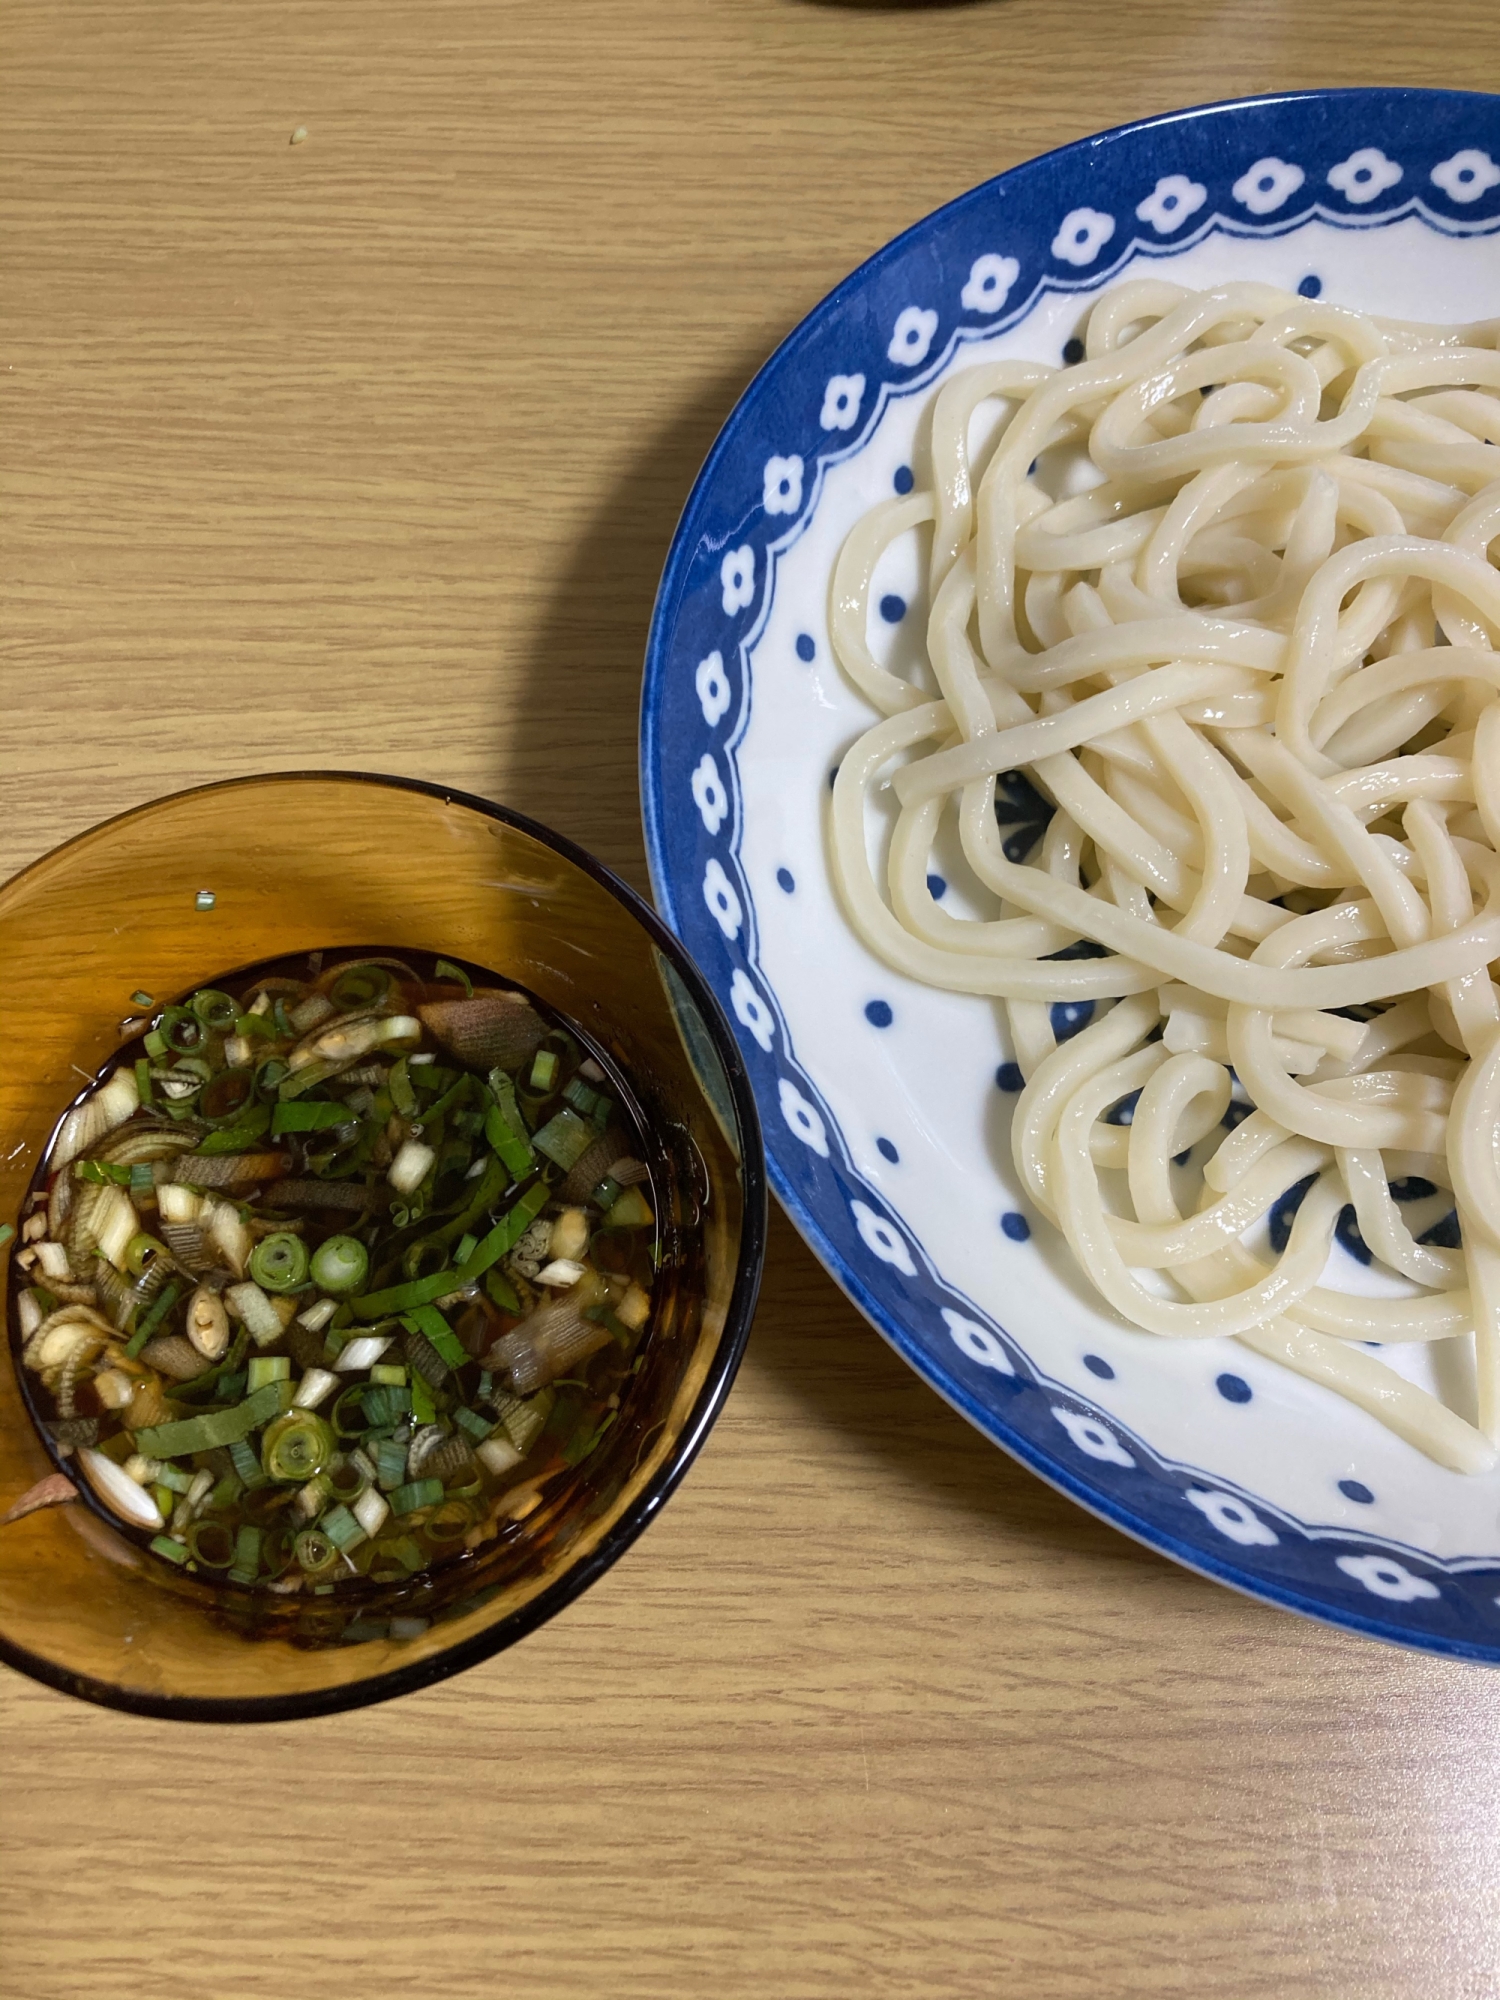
365 451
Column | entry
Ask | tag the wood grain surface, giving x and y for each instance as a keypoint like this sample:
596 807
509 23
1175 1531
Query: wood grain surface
366 452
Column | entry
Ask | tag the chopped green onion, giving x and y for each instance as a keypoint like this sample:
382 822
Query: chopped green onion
7 1231
360 986
142 1180
143 1081
247 1464
429 1321
389 1372
174 1478
296 1447
341 1264
423 1409
141 999
466 1247
577 1093
501 1290
292 1115
315 1552
141 1252
390 1463
420 1493
446 969
215 1010
348 1415
226 1492
181 1031
564 1138
226 1098
341 1528
212 1543
265 1368
246 1554
524 1422
398 1083
279 1263
202 1433
544 1069
383 1403
155 1043
630 1211
101 1171
173 1551
606 1194
155 1313
505 1235
478 1427
256 1025
239 1137
401 1298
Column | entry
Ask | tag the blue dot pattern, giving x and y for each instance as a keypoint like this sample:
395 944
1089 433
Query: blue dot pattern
1016 1227
1097 1365
806 650
1009 1077
1346 1231
1069 1016
1444 1235
937 888
904 481
1412 1188
878 1013
1284 1212
1233 1388
892 608
1311 286
887 1150
785 879
1073 351
1123 1113
1353 1489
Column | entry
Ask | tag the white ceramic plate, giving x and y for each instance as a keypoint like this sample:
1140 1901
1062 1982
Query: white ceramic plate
883 1100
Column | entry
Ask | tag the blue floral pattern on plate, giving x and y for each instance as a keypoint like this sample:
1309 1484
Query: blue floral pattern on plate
1349 160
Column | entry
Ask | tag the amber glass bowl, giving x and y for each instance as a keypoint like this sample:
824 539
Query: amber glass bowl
178 893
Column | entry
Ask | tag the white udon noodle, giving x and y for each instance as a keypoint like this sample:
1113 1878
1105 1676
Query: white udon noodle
1254 667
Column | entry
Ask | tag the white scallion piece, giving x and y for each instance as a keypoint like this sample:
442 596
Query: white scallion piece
113 1223
313 1387
562 1273
317 1316
249 1303
370 1510
176 1203
54 1262
410 1167
99 1113
497 1454
362 1352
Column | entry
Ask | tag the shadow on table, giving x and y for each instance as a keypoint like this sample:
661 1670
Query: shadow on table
832 1361
580 716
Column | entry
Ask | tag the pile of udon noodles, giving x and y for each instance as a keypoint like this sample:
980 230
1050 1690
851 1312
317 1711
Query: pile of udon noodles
1254 666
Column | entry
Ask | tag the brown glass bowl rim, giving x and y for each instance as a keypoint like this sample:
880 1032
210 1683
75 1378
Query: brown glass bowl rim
723 1367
